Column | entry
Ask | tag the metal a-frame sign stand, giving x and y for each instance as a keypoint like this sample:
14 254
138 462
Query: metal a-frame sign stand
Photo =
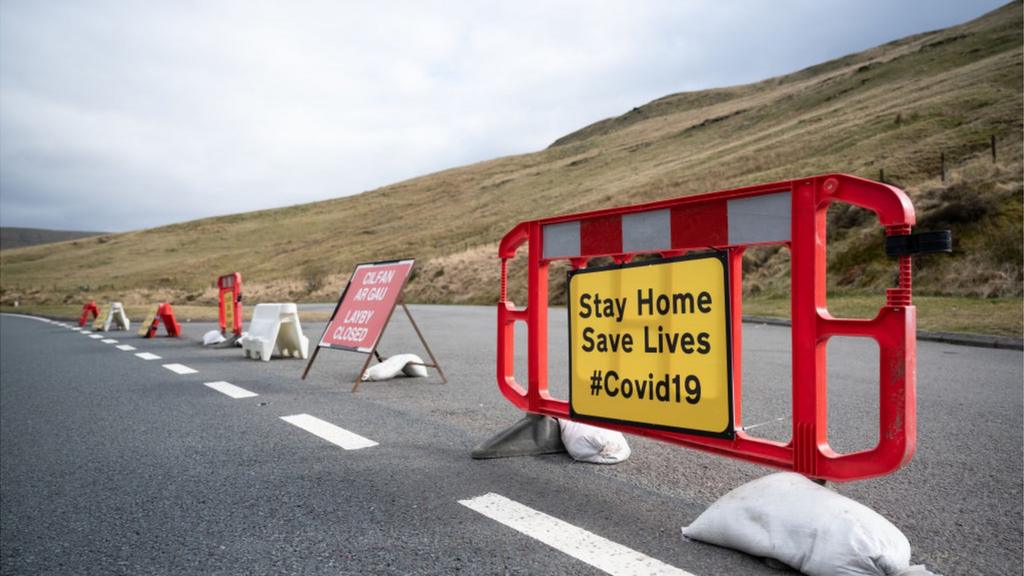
373 288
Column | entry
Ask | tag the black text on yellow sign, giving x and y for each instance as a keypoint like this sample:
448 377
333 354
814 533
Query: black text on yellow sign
649 345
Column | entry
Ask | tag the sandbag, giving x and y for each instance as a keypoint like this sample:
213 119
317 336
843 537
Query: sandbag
788 517
213 337
409 364
588 443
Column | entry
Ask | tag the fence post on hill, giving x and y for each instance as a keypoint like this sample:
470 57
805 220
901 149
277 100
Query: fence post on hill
993 140
942 166
881 175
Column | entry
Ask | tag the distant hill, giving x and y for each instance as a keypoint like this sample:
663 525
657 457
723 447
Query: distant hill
897 108
11 237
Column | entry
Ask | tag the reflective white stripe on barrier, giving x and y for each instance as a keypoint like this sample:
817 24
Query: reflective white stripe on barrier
647 231
760 219
562 239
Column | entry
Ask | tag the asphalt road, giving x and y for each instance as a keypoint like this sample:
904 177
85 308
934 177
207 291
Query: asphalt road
111 464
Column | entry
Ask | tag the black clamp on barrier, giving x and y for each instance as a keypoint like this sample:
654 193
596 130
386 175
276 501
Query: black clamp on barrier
922 243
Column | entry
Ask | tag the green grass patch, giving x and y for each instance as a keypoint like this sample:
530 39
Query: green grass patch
993 316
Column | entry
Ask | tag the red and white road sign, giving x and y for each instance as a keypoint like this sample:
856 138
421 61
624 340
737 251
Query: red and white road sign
366 306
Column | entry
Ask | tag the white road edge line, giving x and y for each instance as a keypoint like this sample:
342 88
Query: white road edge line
126 347
147 356
230 389
109 341
179 368
39 318
599 552
333 434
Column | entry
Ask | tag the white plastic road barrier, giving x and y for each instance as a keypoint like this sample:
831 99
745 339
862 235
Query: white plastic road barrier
409 364
275 330
116 316
806 526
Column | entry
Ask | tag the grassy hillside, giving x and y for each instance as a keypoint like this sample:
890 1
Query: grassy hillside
896 108
11 237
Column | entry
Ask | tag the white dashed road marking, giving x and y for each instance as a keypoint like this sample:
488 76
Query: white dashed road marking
330 432
599 552
126 347
109 341
230 389
147 356
95 336
179 368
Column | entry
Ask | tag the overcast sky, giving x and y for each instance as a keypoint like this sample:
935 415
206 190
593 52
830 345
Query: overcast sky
125 115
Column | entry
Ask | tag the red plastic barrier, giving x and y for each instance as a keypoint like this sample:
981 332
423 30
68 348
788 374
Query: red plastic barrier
230 303
165 314
790 213
87 309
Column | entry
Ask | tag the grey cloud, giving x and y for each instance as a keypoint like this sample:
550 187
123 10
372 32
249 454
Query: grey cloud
155 108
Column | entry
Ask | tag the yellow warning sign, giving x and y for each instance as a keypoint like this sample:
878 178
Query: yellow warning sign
229 312
147 324
649 345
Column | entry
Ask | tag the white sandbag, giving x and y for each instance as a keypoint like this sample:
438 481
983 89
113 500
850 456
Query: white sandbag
213 337
588 443
409 364
788 517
